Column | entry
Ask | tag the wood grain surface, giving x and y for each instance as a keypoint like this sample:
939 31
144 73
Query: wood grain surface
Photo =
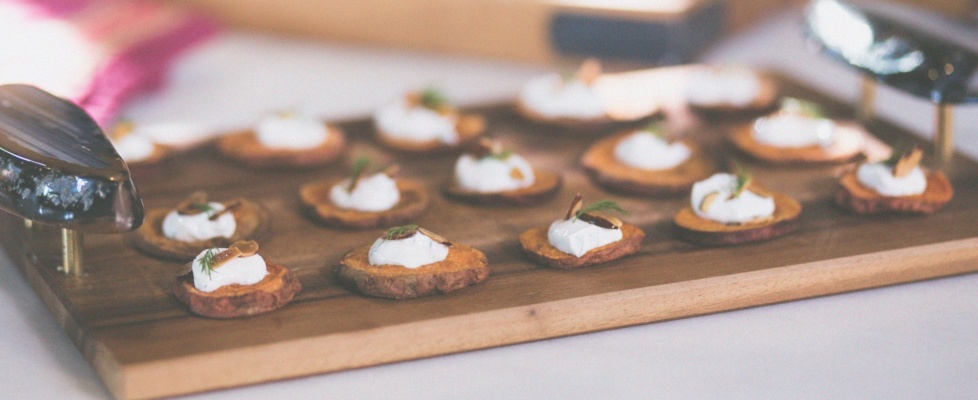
144 342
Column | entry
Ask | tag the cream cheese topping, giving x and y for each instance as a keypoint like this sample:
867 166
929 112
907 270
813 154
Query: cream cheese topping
552 97
291 131
492 174
416 123
718 86
412 252
792 130
374 193
879 177
576 237
242 271
134 147
191 228
645 150
744 208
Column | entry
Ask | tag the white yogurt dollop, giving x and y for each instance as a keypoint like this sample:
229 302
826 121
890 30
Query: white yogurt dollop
644 150
576 237
377 192
412 252
134 147
491 174
191 228
290 131
551 97
420 124
711 86
242 271
791 130
744 208
879 177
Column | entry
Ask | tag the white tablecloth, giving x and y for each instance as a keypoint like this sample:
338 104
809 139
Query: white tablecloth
916 340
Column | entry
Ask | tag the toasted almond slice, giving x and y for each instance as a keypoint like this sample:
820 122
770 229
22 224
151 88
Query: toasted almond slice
412 99
434 236
575 206
225 256
230 207
589 70
186 269
907 163
708 201
601 219
470 124
515 173
247 247
122 129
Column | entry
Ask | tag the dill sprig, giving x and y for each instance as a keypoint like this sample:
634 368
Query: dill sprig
802 107
501 155
359 166
207 262
656 129
743 179
398 231
601 206
205 208
432 98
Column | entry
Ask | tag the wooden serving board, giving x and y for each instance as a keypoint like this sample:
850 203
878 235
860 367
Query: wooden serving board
144 343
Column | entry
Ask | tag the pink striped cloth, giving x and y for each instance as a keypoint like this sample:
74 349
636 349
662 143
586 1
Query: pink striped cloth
134 43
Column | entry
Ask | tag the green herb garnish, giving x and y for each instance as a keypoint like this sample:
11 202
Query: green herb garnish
207 262
801 107
743 179
433 99
399 231
204 208
600 206
359 166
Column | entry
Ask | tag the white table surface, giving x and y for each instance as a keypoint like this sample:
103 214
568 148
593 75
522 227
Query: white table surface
916 340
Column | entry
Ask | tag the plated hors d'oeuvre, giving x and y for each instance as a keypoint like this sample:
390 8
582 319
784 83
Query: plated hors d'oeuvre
285 139
729 209
410 261
493 175
136 147
587 235
234 282
799 133
730 90
898 184
647 161
197 224
425 122
365 199
569 100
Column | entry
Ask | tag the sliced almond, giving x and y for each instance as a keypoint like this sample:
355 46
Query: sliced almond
225 256
434 236
248 248
908 162
708 201
589 71
470 124
515 173
230 207
412 99
186 269
122 129
601 219
192 204
575 206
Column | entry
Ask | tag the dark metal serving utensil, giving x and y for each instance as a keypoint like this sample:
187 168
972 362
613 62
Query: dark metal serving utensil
920 53
58 169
